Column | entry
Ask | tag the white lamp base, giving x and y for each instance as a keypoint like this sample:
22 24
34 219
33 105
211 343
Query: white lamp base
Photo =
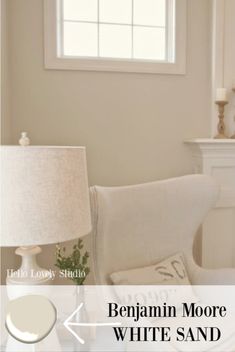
30 272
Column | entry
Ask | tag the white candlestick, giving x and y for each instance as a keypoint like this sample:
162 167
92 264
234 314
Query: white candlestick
221 94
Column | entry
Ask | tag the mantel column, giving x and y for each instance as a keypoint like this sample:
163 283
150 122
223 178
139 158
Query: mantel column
217 159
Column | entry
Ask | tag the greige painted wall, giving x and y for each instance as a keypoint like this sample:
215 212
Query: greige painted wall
133 125
5 94
229 59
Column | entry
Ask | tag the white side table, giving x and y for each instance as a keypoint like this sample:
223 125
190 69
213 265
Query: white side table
217 158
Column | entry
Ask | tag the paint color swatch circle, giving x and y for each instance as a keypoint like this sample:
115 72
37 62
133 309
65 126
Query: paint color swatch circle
30 318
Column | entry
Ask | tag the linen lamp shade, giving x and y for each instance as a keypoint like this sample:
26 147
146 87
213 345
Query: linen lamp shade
44 195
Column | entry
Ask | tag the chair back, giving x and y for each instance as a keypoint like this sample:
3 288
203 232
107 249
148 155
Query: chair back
140 225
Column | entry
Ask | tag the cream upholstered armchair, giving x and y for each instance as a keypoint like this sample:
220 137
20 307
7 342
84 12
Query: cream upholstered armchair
139 225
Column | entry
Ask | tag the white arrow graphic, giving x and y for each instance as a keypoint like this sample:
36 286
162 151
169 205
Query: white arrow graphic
69 323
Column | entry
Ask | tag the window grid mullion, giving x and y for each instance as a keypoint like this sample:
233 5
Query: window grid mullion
116 23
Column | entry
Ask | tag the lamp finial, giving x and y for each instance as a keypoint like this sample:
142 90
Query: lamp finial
24 139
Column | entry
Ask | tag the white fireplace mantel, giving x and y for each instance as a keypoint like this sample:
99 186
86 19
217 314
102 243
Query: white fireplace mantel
217 158
208 147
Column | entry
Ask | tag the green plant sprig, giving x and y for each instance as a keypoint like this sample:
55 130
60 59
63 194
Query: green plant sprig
74 262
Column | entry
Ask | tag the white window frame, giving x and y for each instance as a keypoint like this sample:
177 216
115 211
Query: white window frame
54 61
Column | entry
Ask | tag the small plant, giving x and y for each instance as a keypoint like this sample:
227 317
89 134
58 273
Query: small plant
74 266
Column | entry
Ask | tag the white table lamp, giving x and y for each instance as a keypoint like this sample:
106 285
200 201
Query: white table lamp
44 200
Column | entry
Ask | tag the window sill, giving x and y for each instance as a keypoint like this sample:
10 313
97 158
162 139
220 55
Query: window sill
111 65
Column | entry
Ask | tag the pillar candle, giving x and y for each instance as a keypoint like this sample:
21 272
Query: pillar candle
221 94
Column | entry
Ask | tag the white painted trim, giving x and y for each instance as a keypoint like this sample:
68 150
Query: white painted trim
53 61
218 52
211 155
50 32
213 147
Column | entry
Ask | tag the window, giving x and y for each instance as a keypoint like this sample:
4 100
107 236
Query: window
118 29
116 35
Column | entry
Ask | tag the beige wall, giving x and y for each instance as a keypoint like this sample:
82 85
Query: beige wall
229 60
133 125
5 94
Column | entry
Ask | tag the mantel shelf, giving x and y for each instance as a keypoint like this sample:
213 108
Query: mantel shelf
212 147
211 141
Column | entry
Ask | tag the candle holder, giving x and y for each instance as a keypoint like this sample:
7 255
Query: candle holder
221 125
